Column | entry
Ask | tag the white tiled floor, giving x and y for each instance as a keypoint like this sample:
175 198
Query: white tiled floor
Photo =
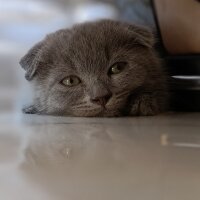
154 158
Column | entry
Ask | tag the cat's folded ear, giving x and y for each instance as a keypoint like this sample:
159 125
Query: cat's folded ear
142 35
30 62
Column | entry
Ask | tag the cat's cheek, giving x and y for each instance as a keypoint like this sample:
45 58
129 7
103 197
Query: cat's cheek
136 76
62 102
128 80
119 84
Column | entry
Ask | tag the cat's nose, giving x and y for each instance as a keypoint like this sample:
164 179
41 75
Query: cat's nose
101 100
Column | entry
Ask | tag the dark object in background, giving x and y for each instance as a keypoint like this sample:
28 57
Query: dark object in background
185 86
183 67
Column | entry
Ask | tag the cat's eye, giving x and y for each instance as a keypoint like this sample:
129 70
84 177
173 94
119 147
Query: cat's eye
117 68
70 81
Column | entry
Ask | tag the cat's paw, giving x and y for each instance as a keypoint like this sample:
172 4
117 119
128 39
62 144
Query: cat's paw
145 105
30 110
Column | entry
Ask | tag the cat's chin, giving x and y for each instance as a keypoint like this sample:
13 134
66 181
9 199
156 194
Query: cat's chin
99 113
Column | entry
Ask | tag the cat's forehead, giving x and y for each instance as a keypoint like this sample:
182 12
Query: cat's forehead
89 36
89 47
97 35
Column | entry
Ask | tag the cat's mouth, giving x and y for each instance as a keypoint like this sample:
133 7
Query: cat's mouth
114 107
98 111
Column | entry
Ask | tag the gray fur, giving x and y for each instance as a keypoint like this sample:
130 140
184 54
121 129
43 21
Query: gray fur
87 51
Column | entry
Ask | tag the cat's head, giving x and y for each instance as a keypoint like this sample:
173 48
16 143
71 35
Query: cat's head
90 69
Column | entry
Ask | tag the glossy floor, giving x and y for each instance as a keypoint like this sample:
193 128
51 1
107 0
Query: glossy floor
58 158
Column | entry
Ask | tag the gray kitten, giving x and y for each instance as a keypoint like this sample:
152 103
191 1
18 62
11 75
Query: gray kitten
104 68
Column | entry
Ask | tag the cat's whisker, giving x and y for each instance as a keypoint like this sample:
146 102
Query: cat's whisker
84 106
122 94
81 103
117 93
88 110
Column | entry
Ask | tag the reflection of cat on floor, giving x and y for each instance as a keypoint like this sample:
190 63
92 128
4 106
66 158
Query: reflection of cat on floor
81 161
62 157
64 144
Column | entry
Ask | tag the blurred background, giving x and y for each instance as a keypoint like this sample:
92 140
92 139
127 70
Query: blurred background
25 22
